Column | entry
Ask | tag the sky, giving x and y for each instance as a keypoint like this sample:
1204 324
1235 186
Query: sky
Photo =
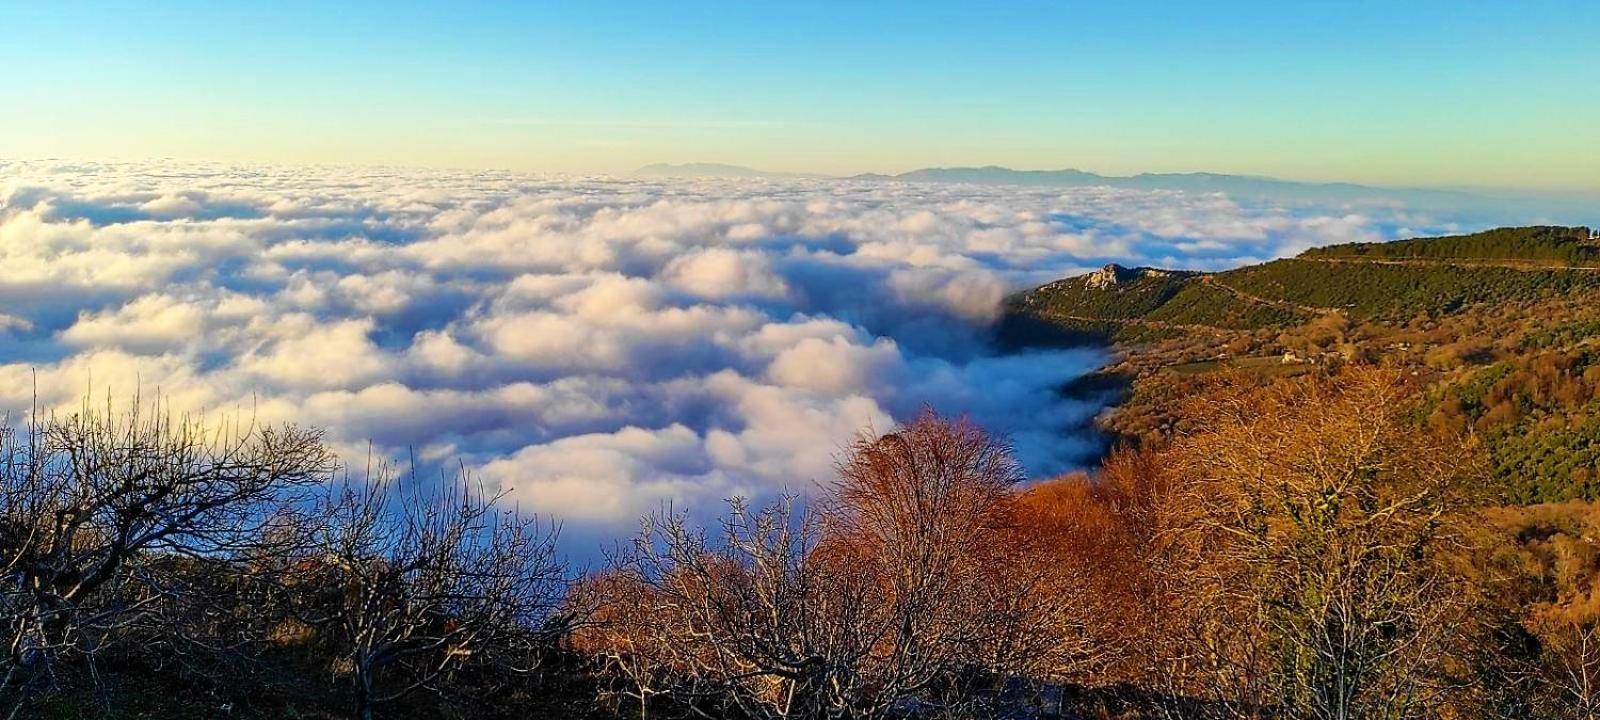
1427 92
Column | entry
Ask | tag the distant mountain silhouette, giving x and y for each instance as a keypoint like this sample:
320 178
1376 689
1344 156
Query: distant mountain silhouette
713 170
1250 185
698 170
1488 206
996 175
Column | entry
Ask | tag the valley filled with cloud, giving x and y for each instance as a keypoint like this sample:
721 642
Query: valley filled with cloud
593 347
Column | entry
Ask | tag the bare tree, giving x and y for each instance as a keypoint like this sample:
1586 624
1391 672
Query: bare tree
418 583
1566 676
1312 530
100 512
907 584
929 510
1093 538
754 620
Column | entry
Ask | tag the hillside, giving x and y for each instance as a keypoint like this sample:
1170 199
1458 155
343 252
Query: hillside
1430 276
1544 244
1503 324
1153 299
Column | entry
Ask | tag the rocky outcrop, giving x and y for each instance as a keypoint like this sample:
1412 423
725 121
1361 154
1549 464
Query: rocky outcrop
1110 275
1105 277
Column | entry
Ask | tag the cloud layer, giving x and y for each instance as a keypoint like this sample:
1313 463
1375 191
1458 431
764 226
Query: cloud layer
593 346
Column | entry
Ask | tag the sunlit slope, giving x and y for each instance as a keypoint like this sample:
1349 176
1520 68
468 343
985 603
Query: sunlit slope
1547 244
1428 276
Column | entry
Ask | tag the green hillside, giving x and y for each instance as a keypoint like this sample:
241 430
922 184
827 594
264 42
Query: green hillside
1430 276
1209 303
1112 293
1365 289
1540 244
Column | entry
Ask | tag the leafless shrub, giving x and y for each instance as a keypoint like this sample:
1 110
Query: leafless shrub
903 586
1560 680
1094 539
409 584
1311 534
105 516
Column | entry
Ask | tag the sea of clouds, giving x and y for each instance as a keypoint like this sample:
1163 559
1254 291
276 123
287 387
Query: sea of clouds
593 347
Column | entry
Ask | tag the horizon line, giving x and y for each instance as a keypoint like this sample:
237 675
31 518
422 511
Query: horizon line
1567 191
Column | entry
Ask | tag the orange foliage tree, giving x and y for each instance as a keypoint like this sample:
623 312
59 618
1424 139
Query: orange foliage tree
1312 530
908 583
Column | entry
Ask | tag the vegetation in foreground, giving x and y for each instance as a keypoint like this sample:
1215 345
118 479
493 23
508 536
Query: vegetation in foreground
1303 547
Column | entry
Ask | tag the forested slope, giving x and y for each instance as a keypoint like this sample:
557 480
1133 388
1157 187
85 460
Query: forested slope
1538 244
1505 324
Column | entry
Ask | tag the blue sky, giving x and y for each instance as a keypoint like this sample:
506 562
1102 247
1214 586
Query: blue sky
1415 93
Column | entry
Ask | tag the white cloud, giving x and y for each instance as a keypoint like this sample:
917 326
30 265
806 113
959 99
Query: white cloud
594 346
148 324
603 476
305 354
723 273
838 366
12 322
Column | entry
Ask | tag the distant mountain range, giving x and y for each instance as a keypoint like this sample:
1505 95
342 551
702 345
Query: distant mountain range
997 175
1496 206
712 170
